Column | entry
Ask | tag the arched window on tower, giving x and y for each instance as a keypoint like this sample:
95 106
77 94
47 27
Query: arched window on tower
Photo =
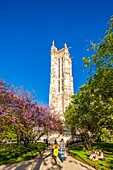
59 68
62 68
58 86
62 85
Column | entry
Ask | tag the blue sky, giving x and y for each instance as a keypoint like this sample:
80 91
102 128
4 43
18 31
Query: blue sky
27 29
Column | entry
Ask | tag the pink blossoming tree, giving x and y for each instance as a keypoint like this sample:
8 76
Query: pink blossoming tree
21 115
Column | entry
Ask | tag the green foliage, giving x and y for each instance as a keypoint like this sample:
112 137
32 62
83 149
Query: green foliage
103 52
91 110
11 153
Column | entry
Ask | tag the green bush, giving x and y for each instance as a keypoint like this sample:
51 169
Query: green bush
11 153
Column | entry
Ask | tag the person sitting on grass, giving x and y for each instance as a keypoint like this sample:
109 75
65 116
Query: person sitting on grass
93 155
101 155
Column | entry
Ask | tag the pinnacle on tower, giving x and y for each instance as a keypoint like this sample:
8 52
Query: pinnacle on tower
53 48
65 45
53 43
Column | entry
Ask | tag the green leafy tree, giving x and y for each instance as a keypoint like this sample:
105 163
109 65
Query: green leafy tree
101 75
91 110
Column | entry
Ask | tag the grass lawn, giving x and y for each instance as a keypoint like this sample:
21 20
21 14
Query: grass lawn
11 153
79 152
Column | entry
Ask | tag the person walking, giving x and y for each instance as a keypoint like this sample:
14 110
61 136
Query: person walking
55 150
46 141
62 149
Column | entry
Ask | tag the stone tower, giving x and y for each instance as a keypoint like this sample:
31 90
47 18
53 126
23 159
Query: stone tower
61 80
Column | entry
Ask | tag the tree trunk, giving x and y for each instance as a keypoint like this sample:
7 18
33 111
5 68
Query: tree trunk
99 138
18 137
26 141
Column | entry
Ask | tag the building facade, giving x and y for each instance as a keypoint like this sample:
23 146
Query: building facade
61 79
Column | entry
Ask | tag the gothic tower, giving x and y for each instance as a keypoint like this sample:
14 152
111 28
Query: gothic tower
61 80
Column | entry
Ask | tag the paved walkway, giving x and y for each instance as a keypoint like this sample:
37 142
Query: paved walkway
46 162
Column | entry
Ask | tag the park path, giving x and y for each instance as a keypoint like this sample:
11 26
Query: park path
45 161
